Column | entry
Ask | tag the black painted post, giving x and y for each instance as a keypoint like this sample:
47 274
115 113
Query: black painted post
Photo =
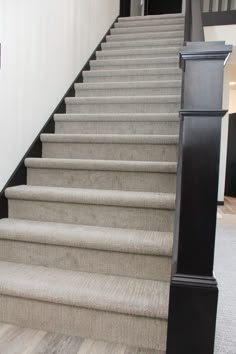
125 8
194 291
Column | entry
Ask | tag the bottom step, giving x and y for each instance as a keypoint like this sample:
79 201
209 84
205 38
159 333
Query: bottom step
123 310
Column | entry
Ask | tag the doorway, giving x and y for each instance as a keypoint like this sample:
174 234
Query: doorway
158 7
149 7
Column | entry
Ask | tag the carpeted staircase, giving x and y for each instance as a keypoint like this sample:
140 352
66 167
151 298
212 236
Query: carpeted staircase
87 247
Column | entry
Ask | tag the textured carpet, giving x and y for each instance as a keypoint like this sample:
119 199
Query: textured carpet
225 267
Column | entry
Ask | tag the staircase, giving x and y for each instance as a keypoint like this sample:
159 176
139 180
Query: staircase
88 244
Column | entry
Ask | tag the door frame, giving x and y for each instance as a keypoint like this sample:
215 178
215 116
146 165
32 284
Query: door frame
146 3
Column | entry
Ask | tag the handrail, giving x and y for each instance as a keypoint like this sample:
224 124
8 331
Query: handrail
193 21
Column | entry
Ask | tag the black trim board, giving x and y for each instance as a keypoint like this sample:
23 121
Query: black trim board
19 176
219 18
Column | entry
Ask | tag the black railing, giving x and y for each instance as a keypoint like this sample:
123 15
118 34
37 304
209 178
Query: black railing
218 5
194 291
219 12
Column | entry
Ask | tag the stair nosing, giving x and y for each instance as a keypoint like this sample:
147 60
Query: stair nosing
128 241
111 138
124 99
119 117
146 200
102 165
85 290
130 85
133 61
151 17
130 72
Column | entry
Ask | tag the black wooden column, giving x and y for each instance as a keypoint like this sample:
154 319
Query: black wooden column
194 291
125 8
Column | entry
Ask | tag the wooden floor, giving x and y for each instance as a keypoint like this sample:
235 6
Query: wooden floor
15 340
229 206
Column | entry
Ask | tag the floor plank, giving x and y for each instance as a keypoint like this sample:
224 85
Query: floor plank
16 340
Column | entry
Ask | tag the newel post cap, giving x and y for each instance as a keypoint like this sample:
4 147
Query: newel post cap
205 51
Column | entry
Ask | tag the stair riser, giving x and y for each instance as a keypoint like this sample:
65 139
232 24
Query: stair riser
130 152
121 66
112 180
84 260
70 320
157 91
153 22
91 78
89 214
138 54
146 35
123 108
155 29
142 44
100 127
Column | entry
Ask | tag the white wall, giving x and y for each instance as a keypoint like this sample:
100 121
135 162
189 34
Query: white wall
227 34
232 101
44 46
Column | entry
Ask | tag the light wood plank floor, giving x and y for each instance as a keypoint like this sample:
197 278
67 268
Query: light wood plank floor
229 206
15 340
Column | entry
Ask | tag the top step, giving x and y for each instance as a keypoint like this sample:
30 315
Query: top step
150 22
150 17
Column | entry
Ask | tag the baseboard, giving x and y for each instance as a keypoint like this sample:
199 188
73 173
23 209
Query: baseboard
220 203
19 175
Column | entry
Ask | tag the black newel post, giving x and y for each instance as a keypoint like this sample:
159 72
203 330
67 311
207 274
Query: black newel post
194 291
125 8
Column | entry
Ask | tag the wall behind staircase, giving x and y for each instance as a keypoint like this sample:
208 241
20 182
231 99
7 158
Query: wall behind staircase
227 34
44 46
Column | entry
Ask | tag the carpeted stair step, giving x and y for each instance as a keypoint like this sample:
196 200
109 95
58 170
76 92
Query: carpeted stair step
150 17
102 174
145 36
130 104
139 88
123 252
134 210
147 29
138 53
111 147
111 308
107 123
150 43
133 75
147 63
143 22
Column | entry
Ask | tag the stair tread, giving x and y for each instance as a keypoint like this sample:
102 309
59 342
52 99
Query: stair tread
86 290
110 138
150 17
133 84
142 22
122 117
142 71
101 165
152 60
90 237
135 51
148 29
123 99
93 196
144 43
145 34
